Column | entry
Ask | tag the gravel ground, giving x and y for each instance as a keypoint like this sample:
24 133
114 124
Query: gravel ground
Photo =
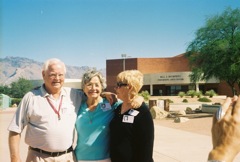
200 125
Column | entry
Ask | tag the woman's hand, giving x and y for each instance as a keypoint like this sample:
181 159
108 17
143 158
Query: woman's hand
111 97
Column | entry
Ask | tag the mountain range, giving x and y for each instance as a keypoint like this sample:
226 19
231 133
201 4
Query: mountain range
13 68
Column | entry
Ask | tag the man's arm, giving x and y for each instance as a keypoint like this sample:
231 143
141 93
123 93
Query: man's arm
13 142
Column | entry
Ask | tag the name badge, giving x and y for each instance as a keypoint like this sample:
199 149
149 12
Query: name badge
133 112
106 106
128 119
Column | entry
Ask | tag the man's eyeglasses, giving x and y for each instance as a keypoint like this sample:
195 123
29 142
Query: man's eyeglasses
53 76
120 84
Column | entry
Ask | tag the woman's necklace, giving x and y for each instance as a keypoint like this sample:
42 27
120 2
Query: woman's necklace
90 116
91 112
92 108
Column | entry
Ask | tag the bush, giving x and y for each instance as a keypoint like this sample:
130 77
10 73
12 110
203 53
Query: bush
15 101
145 95
210 93
191 93
199 94
189 110
204 99
181 94
169 101
185 100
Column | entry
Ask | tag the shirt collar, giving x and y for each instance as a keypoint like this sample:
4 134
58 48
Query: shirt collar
45 93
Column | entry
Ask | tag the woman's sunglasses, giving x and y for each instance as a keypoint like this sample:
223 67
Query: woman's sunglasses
120 84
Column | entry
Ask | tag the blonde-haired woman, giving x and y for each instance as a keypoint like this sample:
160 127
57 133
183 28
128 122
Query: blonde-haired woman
131 130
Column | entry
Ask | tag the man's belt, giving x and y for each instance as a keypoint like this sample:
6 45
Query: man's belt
53 154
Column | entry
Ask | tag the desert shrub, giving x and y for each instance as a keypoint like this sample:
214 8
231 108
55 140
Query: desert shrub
181 94
204 99
199 94
189 110
145 95
15 101
191 93
185 100
210 93
169 100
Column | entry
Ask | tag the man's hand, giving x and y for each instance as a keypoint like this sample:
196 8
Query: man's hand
226 132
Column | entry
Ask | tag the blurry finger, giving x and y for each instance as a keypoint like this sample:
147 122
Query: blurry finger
228 113
236 108
226 104
223 108
234 98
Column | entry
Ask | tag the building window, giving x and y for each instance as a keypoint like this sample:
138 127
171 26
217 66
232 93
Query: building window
175 89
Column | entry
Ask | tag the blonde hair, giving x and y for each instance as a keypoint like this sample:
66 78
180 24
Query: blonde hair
134 78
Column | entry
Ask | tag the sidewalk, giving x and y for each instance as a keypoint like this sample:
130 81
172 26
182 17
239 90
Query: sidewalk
170 145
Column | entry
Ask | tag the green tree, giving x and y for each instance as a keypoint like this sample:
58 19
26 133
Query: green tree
5 90
215 51
20 87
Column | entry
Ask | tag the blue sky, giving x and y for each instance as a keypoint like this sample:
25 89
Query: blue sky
88 32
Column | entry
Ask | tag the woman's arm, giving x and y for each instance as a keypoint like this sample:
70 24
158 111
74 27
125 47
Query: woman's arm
111 97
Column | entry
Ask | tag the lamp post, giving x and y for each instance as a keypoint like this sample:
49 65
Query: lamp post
124 57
